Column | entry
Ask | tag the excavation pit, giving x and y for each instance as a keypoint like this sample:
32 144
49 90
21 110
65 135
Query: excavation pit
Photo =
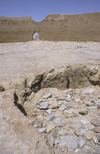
51 102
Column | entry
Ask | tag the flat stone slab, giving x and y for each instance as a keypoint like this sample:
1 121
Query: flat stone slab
95 122
69 141
59 122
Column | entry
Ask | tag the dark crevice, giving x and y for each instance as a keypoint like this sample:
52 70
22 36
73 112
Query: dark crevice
37 85
19 106
26 95
95 83
67 83
1 88
25 83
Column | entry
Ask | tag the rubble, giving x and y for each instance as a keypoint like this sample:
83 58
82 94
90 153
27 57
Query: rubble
69 122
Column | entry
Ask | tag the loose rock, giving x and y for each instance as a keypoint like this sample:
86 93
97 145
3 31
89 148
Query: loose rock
88 135
80 132
98 103
95 122
69 141
62 132
42 130
51 139
44 106
54 106
97 130
36 142
88 103
50 117
98 138
59 122
81 142
47 96
91 127
94 139
83 112
84 121
50 126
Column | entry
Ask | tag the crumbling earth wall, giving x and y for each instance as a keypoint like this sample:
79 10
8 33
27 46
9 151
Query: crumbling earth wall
55 27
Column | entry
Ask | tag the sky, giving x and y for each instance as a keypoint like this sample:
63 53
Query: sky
39 9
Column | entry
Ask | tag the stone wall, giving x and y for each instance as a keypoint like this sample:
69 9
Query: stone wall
55 27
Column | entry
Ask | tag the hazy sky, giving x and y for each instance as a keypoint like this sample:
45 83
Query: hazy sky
39 9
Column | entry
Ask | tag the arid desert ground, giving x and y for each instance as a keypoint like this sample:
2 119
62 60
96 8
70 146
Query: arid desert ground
49 97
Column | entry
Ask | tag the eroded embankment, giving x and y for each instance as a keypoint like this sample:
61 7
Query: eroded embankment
64 105
74 76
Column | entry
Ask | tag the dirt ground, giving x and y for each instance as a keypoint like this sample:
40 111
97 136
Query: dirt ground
18 60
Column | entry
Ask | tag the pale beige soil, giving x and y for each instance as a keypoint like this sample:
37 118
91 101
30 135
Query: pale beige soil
17 135
18 60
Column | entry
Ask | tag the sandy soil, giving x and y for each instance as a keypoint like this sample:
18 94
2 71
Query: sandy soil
17 60
20 59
